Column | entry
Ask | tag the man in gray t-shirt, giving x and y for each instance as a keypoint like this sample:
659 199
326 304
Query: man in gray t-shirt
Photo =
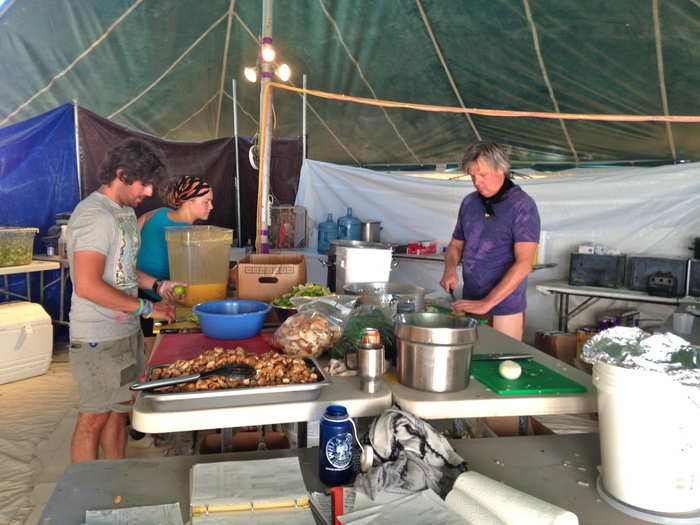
107 352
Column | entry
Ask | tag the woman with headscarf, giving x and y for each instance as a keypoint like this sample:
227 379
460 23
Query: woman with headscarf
188 199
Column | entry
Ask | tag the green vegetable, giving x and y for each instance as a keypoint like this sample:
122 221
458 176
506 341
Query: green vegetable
15 253
303 290
179 290
353 330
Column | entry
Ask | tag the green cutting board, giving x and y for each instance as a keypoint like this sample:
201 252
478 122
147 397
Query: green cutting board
535 379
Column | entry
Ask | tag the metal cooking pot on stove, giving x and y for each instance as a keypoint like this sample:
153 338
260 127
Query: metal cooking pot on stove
401 298
435 350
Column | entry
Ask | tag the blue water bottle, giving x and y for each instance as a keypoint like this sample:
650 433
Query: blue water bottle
327 232
349 227
335 447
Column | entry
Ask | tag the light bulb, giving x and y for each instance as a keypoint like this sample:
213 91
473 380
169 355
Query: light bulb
268 53
284 72
250 74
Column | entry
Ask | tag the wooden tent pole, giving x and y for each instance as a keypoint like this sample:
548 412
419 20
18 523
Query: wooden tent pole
262 241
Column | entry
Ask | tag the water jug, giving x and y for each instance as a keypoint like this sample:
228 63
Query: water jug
349 227
335 447
327 232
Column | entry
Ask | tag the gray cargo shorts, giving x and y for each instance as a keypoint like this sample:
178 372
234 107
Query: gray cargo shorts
104 372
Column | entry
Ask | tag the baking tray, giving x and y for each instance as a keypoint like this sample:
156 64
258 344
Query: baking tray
233 397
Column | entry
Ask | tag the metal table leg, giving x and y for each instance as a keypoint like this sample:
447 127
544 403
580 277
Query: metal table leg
457 428
226 440
301 434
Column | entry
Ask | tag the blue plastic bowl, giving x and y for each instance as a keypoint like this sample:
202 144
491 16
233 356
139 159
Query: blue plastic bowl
231 318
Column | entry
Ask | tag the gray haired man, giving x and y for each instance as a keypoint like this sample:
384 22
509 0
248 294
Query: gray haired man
495 238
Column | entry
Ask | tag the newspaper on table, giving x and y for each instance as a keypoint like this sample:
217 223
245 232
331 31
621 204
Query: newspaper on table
167 514
251 488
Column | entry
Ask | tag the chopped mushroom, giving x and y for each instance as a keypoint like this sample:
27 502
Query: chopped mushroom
272 369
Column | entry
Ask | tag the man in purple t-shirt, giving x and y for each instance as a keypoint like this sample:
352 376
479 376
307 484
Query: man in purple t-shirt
496 238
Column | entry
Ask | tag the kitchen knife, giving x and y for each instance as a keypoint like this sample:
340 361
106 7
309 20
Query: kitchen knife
235 370
500 357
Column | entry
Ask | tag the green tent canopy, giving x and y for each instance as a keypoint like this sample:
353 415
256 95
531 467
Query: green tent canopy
166 67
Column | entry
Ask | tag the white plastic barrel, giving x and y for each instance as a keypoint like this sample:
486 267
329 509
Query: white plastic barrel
649 439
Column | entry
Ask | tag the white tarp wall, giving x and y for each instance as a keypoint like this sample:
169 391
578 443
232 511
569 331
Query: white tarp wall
649 211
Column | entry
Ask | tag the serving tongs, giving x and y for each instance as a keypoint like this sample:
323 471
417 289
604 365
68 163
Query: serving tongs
233 370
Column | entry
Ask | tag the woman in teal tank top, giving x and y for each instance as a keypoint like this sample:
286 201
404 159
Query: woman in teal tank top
188 199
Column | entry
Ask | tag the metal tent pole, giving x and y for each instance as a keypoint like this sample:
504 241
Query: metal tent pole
303 119
77 147
237 175
262 241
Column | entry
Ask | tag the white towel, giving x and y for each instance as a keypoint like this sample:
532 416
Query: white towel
485 501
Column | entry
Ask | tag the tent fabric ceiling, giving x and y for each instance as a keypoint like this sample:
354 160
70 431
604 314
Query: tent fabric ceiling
166 67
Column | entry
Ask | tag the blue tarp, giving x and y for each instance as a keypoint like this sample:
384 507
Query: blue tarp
38 173
38 179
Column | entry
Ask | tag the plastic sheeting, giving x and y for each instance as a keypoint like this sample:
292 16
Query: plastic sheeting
651 211
38 174
166 68
38 179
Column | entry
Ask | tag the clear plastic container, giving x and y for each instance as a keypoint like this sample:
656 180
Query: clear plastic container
327 232
199 256
349 227
16 245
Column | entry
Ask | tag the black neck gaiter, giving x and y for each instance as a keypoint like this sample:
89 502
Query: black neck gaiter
488 202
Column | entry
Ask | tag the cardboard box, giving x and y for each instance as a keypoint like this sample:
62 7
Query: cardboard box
583 335
267 276
557 344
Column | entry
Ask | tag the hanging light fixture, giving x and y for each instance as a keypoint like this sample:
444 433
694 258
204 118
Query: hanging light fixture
283 72
251 74
267 52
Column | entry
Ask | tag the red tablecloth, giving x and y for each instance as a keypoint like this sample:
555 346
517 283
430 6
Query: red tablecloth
172 347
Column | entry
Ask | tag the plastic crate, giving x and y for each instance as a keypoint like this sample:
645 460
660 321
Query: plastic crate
16 245
288 230
607 271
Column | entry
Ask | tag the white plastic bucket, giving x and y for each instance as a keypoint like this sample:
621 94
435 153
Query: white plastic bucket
649 439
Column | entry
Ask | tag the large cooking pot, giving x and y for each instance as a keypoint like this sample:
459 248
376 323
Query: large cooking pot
435 351
357 261
401 298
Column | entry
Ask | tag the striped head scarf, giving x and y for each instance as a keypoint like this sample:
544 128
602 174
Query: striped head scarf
186 188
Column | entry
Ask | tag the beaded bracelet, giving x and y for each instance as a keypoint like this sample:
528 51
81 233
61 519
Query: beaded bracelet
147 309
140 308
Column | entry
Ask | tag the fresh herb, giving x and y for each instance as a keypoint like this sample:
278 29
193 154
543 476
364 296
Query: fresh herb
354 328
303 290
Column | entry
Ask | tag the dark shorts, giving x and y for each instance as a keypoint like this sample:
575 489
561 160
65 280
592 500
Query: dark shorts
104 372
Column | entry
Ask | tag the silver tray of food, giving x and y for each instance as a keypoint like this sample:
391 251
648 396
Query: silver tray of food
284 389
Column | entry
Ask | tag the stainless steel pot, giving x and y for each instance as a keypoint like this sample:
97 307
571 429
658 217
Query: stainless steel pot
435 351
371 231
401 298
358 261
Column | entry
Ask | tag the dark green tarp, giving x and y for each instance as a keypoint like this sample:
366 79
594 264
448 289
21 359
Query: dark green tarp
165 67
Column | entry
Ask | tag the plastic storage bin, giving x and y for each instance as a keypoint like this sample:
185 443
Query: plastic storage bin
16 245
288 228
26 341
198 256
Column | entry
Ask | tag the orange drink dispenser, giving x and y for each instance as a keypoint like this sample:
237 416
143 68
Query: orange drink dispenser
199 256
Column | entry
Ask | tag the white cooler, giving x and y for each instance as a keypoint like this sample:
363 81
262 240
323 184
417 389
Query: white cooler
26 341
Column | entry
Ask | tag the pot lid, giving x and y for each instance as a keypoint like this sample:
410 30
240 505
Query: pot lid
338 243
